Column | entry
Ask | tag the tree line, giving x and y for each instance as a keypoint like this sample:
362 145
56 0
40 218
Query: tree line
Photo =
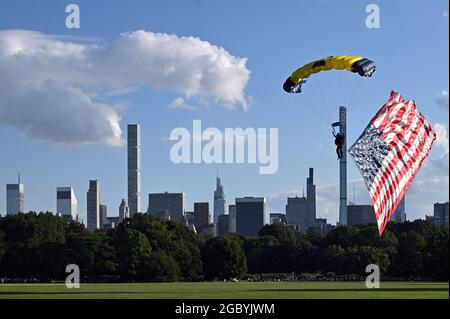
38 247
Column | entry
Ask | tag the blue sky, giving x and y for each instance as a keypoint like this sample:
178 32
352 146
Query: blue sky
410 50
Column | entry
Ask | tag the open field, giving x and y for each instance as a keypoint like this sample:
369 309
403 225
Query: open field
224 290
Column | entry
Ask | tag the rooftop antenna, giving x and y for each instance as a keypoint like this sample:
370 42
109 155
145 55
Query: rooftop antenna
18 178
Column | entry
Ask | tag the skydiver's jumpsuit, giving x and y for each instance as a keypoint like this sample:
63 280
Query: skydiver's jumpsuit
339 141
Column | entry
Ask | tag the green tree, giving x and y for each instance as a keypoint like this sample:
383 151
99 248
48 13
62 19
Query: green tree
261 255
2 244
159 267
408 261
132 249
223 258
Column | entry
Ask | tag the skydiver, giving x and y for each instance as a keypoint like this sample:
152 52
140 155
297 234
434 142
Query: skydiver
339 141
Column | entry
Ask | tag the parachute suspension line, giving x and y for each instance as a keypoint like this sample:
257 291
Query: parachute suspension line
356 90
325 103
316 112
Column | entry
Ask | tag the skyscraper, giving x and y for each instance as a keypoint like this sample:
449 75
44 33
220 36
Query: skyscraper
93 205
441 214
219 201
103 215
232 214
124 211
15 198
360 215
301 211
297 212
311 199
223 226
251 215
201 216
66 203
399 215
171 203
134 168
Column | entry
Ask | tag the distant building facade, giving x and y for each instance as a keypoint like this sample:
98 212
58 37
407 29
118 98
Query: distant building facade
301 211
171 203
429 219
201 216
321 225
297 211
278 218
441 214
399 215
103 215
15 202
66 203
232 218
112 222
124 210
223 226
360 214
251 215
93 205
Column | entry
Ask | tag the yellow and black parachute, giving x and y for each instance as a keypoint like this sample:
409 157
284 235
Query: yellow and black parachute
364 67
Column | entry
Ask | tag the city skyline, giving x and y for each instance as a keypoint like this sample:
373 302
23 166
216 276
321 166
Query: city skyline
94 195
83 135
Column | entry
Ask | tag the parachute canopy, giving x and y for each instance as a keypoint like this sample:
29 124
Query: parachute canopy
390 152
356 64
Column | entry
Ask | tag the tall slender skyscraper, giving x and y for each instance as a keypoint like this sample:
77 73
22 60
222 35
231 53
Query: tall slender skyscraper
219 201
93 205
134 168
311 199
15 198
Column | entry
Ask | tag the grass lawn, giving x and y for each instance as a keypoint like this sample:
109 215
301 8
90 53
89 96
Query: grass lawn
224 290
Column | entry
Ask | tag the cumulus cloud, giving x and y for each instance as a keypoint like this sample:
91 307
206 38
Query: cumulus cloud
57 113
180 103
442 99
65 78
441 136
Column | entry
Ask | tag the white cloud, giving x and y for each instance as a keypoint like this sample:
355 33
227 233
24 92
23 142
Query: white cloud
88 72
179 103
56 113
441 136
442 99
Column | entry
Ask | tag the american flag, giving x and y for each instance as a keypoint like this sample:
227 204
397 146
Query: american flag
390 152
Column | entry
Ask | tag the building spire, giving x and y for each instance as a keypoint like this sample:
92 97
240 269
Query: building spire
18 178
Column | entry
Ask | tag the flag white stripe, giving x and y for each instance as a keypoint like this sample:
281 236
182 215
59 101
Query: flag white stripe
390 179
393 152
411 171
